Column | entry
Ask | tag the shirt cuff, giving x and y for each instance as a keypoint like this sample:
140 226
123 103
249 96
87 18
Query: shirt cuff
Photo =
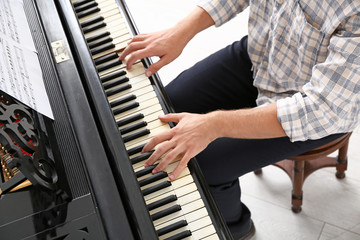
291 116
222 11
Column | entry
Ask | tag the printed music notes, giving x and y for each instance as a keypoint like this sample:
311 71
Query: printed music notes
20 72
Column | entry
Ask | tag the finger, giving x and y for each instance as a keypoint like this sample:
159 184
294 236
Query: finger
171 117
155 67
156 140
160 151
180 167
140 37
137 55
169 158
131 47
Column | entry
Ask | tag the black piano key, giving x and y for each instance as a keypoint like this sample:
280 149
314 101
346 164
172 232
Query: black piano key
115 82
152 178
106 58
125 108
165 212
144 171
122 101
162 202
135 150
180 236
117 90
156 187
110 64
81 2
136 135
94 27
97 36
103 48
88 12
86 6
130 119
91 21
112 76
141 157
100 42
172 227
133 127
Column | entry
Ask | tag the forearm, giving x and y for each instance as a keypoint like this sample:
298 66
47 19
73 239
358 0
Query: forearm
254 123
194 23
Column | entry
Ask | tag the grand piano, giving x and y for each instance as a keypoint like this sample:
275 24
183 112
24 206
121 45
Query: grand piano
81 175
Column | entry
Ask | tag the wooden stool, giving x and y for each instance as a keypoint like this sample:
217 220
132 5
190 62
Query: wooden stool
300 167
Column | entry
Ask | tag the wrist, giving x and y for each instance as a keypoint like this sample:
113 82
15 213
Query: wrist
216 124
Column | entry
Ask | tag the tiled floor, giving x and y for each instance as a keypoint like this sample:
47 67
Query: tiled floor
331 207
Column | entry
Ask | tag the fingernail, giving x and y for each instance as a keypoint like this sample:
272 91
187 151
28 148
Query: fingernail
154 171
145 165
148 73
172 177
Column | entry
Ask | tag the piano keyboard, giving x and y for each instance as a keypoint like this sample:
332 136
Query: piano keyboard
176 207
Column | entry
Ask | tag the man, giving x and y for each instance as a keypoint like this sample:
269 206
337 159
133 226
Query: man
290 86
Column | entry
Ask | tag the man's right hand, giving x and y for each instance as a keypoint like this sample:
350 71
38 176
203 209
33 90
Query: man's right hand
166 44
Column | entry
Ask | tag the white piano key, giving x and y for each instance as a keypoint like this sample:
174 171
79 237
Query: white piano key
200 229
185 199
191 207
119 30
152 120
183 181
211 237
168 218
147 111
118 48
118 37
181 189
136 70
199 224
153 133
165 236
203 232
149 125
138 89
142 108
156 210
168 170
194 215
105 11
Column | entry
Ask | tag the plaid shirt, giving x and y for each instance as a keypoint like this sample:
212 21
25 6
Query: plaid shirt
306 59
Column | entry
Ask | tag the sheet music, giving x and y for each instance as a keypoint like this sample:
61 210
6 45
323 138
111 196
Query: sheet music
20 72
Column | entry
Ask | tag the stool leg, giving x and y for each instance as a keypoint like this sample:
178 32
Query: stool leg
258 171
298 180
341 162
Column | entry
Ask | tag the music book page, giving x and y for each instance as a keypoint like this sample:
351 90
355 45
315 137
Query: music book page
20 72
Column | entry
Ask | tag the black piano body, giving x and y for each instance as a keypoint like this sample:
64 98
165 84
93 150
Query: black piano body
95 193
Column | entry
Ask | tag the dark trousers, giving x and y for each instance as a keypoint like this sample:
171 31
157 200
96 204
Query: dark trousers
224 81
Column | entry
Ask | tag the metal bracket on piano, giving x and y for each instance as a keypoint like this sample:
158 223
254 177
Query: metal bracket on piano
23 160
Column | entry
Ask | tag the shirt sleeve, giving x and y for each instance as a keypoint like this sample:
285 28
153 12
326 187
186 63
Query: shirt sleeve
331 100
222 11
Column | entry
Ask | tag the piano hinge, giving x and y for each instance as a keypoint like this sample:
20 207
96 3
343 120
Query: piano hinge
60 51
